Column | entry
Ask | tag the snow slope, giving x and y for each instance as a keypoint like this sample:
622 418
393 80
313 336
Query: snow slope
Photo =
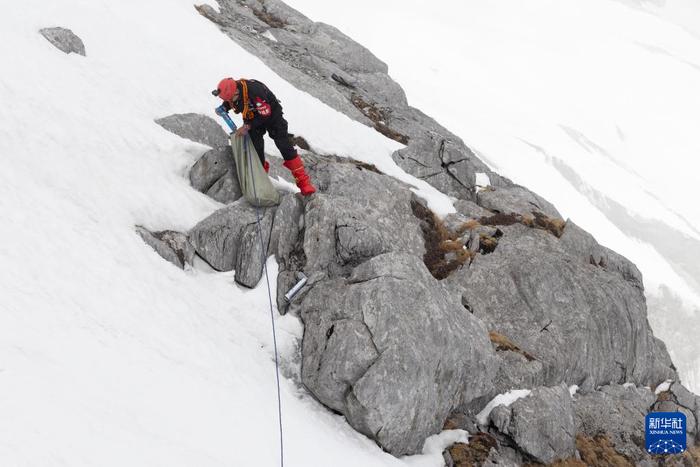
593 105
109 355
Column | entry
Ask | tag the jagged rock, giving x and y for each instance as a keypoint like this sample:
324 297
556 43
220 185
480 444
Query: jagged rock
195 127
541 424
580 243
445 163
379 347
617 411
578 320
172 246
515 199
64 40
228 239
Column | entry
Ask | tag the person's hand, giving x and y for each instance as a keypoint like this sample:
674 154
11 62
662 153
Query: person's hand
243 130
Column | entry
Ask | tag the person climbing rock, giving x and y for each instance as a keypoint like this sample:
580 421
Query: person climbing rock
262 112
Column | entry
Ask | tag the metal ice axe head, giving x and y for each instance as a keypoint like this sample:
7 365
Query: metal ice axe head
297 287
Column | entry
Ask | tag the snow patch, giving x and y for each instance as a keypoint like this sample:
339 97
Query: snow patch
505 399
665 386
482 181
573 390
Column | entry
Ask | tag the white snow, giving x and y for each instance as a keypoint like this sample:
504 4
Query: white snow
109 355
573 390
482 181
665 386
505 399
593 105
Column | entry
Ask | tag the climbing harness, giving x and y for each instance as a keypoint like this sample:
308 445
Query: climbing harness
247 111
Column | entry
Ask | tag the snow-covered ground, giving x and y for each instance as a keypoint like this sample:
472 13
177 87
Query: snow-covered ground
109 355
594 105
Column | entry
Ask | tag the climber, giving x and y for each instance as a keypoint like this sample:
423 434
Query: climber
262 112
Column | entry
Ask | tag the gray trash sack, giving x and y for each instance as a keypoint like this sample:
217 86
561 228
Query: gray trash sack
255 185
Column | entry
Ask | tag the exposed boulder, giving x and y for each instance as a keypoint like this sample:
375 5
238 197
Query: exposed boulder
392 351
211 167
215 174
541 424
172 246
229 239
580 321
64 40
345 226
195 127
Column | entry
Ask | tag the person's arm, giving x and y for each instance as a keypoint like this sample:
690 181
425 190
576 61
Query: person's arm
261 99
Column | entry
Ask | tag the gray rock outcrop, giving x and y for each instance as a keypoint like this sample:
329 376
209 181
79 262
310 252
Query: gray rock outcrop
379 348
195 127
345 226
541 424
580 321
229 239
64 40
172 246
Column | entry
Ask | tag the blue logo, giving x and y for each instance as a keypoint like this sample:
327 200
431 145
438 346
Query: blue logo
665 432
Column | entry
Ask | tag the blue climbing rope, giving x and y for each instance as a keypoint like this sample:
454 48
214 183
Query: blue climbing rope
269 297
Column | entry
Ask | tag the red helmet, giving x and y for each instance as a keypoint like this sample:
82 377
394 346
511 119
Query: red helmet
227 88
